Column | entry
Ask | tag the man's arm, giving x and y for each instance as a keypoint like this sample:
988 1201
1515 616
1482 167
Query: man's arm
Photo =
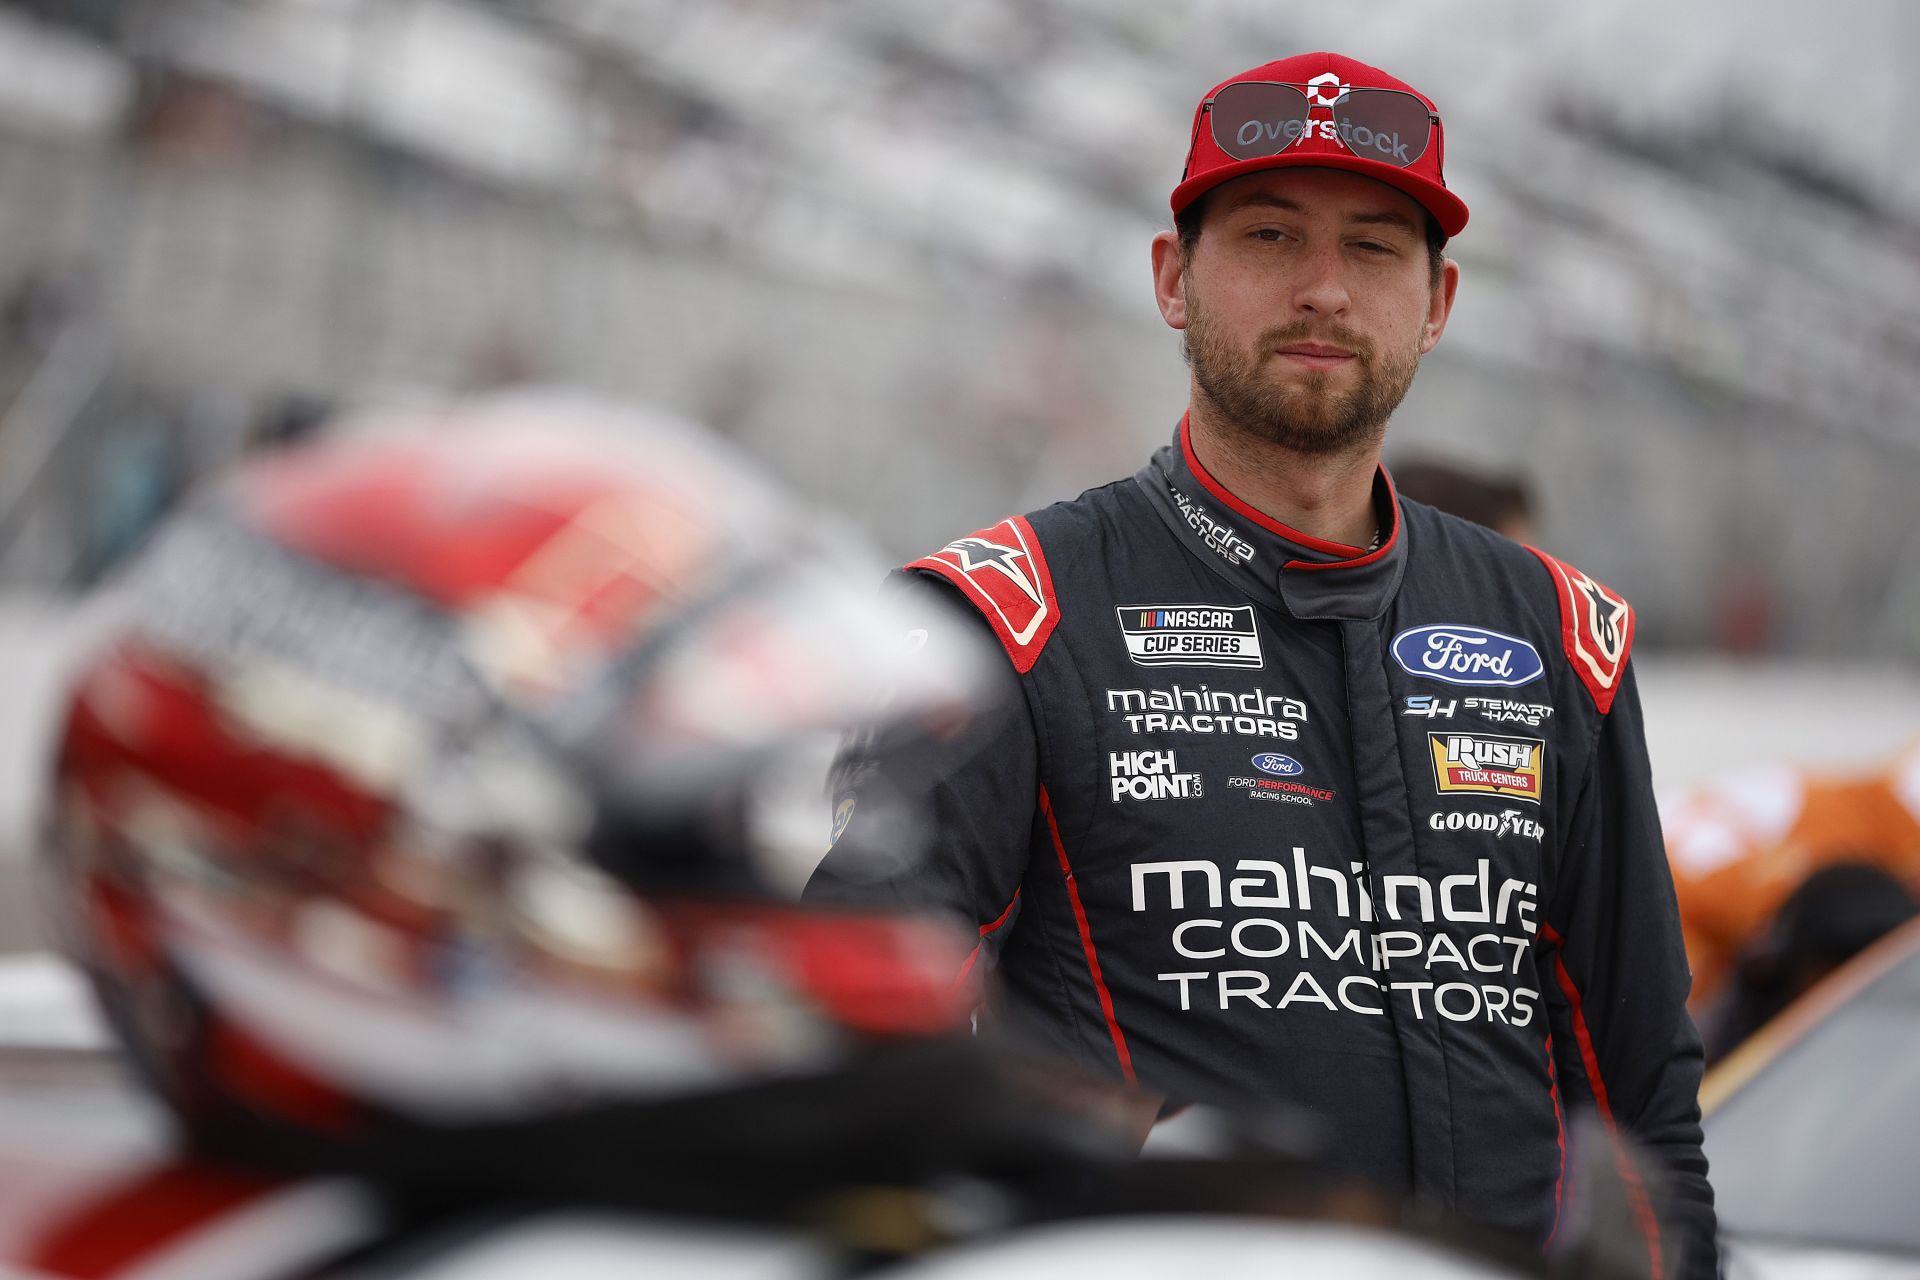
964 801
1619 963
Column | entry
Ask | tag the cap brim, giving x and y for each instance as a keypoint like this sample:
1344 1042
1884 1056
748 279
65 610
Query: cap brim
1447 209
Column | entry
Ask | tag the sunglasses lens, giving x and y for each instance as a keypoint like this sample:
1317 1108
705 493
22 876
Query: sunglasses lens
1252 119
1384 124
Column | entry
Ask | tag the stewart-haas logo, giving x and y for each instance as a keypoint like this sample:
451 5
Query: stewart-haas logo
1496 710
1484 764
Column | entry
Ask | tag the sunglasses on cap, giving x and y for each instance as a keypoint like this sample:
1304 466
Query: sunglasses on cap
1255 118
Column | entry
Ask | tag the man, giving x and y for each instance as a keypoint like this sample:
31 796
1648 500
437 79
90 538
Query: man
1307 793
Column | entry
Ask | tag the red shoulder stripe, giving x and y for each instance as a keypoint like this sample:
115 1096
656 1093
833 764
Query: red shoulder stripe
1002 571
1596 626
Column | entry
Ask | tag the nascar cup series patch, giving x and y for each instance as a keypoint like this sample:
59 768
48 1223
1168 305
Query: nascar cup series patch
1190 635
1487 764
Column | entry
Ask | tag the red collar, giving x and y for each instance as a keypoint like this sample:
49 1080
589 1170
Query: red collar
1345 556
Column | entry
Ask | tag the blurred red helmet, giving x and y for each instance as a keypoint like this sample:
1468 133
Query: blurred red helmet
463 769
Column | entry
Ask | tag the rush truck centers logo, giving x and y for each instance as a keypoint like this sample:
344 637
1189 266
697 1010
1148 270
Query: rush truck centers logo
1484 764
1190 635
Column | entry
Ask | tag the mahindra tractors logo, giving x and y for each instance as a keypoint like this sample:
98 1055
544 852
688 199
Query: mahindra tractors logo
1221 539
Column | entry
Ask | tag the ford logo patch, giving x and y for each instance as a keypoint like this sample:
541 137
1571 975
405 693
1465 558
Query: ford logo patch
1467 655
1274 762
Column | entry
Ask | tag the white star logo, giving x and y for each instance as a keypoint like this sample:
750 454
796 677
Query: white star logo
978 553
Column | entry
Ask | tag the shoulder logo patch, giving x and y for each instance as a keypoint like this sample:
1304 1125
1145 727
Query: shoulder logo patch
1596 625
1002 572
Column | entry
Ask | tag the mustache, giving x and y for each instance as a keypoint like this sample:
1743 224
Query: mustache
1307 331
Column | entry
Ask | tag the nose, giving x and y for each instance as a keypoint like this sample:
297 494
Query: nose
1321 285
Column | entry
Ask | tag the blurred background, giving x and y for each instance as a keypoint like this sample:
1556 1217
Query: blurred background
898 249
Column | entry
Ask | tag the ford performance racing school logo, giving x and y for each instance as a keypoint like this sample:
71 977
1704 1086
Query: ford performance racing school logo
1287 792
1467 655
1190 635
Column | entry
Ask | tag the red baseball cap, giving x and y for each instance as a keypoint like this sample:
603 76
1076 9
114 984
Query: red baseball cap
1327 111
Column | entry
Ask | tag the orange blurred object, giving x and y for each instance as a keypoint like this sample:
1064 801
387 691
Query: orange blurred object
1741 844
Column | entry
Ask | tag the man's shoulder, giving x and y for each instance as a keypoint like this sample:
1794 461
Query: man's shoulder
1097 514
1007 569
1588 626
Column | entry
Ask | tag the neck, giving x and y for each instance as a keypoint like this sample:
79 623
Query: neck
1329 496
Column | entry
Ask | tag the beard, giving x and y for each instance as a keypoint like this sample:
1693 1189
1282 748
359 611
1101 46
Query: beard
1305 415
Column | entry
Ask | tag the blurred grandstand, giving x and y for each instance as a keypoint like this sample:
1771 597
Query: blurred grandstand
898 247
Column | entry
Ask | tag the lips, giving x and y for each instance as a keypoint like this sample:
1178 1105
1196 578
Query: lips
1315 355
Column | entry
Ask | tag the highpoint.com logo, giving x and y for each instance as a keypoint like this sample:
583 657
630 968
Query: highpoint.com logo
1150 775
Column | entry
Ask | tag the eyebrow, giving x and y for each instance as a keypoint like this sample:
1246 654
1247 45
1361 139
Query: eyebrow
1385 217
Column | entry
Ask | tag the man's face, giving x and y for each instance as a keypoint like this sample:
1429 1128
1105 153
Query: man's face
1307 303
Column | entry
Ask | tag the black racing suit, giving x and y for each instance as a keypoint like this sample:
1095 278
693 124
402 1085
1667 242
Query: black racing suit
1373 834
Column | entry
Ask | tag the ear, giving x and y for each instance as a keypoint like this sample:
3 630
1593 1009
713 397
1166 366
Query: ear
1169 279
1440 305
